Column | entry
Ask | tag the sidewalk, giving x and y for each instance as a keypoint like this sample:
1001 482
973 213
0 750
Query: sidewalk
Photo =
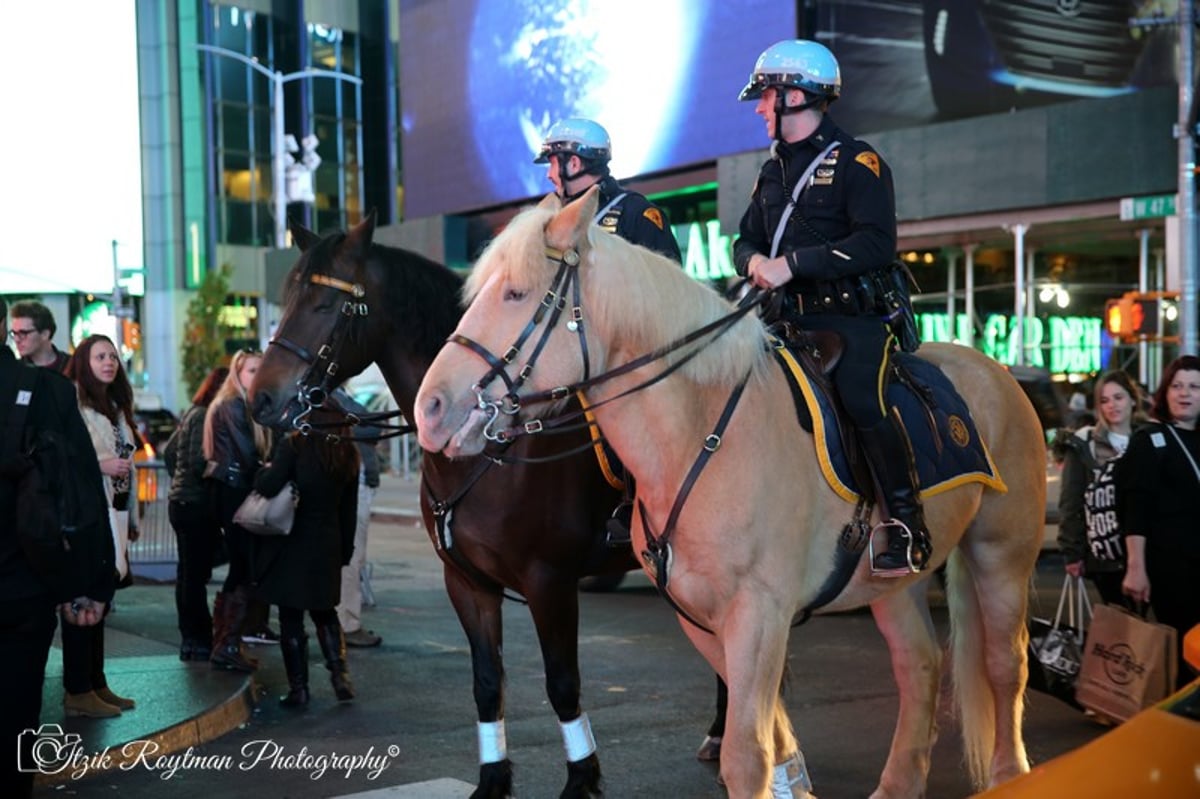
178 704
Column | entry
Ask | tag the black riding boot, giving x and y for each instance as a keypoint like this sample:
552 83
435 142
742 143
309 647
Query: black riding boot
333 647
890 454
227 649
295 663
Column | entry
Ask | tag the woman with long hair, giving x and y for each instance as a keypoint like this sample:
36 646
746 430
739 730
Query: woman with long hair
106 404
303 570
234 447
197 530
1158 481
1088 534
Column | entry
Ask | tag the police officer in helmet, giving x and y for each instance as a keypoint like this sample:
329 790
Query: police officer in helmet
577 152
821 226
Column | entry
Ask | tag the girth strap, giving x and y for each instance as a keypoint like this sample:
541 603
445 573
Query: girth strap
658 548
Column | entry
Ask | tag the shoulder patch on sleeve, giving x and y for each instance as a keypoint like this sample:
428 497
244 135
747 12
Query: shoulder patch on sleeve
655 216
869 160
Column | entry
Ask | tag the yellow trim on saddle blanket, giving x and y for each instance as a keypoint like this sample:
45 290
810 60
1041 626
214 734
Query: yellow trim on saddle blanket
993 481
598 445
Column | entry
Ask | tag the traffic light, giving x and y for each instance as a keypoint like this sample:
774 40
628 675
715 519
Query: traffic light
1118 317
132 333
1132 315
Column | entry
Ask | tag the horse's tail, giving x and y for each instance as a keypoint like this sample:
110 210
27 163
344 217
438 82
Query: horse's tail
972 689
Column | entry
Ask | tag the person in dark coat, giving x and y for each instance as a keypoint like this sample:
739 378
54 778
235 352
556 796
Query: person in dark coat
303 570
194 519
30 596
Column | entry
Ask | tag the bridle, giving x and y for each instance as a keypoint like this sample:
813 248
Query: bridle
314 387
567 279
550 309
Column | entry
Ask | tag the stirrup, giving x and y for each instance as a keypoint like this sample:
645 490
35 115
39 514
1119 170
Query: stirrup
911 566
617 533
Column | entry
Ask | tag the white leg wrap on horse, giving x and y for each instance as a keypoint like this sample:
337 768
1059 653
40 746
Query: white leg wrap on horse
577 738
493 747
792 771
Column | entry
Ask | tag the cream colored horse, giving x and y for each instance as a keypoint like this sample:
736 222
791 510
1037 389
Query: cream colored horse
757 535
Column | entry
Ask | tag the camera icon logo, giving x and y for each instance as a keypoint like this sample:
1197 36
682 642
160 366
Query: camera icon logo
46 750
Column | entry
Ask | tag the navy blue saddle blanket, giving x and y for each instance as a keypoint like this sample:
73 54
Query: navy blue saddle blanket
948 454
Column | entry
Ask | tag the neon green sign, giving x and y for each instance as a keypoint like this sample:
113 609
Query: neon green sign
707 254
1061 344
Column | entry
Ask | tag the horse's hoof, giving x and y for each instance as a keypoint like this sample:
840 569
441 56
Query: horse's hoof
710 750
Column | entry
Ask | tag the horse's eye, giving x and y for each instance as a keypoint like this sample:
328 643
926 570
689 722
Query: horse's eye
515 295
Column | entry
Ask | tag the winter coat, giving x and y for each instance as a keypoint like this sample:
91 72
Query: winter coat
304 568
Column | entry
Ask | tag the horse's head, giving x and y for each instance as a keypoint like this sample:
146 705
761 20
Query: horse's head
523 330
323 337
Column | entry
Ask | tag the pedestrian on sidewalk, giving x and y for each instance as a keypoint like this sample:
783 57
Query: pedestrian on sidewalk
303 570
234 447
32 592
197 529
349 610
106 405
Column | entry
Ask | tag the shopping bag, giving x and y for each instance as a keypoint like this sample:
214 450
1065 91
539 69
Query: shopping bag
1056 647
1128 664
268 515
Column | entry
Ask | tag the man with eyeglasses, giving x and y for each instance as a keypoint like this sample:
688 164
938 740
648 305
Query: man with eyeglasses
33 330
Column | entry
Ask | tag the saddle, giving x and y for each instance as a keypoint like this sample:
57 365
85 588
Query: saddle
946 444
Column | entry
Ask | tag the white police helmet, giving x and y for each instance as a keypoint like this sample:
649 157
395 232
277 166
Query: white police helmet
797 64
581 137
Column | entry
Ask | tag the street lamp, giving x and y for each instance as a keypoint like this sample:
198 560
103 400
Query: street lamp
278 139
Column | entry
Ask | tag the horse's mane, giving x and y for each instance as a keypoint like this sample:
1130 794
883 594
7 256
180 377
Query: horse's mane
644 299
420 296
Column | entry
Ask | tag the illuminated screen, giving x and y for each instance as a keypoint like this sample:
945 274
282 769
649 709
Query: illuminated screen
484 81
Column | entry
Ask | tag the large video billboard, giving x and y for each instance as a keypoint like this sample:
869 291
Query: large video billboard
483 80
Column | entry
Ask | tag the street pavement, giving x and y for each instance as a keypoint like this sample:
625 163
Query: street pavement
411 731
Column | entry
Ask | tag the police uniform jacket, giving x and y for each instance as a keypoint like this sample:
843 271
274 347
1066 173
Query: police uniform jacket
843 226
636 219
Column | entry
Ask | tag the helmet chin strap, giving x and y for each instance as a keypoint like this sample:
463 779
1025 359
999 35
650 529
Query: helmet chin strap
563 177
782 109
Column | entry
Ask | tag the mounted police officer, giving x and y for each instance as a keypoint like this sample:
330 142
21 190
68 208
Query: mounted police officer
821 225
578 151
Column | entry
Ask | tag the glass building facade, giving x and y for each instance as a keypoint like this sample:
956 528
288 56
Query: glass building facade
240 119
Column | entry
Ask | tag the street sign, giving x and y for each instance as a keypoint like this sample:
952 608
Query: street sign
1147 207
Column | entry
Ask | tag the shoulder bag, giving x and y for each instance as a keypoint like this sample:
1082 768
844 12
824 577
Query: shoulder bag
269 515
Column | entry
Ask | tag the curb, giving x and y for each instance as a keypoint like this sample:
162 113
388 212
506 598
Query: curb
195 731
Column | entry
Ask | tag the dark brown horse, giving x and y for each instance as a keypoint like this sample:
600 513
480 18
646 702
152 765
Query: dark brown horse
530 527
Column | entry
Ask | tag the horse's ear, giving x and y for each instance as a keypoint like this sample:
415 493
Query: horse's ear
359 236
303 237
569 227
550 203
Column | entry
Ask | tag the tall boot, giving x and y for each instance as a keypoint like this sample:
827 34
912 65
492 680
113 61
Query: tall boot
891 457
227 650
295 663
333 647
